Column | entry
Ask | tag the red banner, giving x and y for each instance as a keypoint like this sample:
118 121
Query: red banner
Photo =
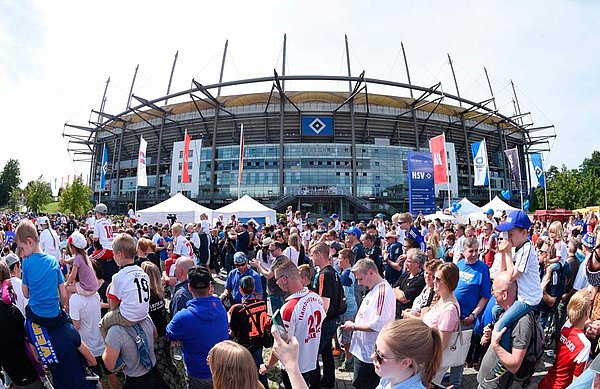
185 176
437 145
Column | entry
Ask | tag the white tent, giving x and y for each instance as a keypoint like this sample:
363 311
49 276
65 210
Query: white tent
186 211
498 206
245 209
467 207
440 215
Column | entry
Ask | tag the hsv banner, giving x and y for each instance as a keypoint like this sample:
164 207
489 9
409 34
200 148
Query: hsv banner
103 169
437 145
480 163
185 175
421 187
142 177
317 125
538 168
512 156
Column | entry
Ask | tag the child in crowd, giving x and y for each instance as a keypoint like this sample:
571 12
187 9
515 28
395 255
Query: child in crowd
82 268
43 282
574 347
523 267
129 293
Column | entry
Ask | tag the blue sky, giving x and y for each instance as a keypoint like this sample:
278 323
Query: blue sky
56 56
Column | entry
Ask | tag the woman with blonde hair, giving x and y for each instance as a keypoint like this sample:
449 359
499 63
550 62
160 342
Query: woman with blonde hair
293 249
232 366
159 316
146 251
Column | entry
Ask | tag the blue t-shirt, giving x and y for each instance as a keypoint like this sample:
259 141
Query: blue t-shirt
473 284
348 282
233 283
42 275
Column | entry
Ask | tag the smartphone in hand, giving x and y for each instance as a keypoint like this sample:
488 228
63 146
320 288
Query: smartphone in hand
279 326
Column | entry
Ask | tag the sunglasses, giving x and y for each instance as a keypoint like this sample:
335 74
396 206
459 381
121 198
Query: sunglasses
380 358
240 264
437 279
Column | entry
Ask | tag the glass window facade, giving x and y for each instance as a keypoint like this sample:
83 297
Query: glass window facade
308 167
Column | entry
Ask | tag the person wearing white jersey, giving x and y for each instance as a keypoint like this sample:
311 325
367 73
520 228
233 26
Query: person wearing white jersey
129 292
376 310
49 241
16 273
90 222
103 235
181 246
337 226
302 315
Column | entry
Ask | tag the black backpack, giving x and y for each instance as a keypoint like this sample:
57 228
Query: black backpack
534 353
341 297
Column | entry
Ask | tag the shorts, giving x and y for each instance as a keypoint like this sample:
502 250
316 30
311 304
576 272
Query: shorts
345 336
84 292
113 318
102 255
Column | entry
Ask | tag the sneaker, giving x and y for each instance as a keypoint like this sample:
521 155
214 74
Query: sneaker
337 352
347 366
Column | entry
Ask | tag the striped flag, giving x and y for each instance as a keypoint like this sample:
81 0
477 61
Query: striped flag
142 177
185 176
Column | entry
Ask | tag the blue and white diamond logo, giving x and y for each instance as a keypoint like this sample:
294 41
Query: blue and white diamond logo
317 126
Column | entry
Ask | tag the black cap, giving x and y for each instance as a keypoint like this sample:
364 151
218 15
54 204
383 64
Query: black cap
199 277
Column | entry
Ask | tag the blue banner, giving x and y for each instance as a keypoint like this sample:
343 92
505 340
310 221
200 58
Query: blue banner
317 125
538 168
421 189
103 168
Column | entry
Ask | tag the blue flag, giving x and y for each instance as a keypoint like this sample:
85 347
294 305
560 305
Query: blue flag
538 168
103 168
480 163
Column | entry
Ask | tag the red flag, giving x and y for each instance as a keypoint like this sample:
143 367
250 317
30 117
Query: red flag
185 176
241 161
437 145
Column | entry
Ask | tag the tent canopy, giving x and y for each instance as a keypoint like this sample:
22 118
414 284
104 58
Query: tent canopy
186 211
245 209
467 207
498 206
440 215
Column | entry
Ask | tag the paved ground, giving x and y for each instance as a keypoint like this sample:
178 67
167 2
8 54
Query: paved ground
344 380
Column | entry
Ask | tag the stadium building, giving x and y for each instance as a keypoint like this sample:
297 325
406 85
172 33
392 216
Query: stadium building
317 150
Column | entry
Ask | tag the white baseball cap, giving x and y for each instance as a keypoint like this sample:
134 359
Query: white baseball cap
44 220
78 240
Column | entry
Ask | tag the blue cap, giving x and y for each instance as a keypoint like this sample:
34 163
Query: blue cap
354 230
489 212
589 241
380 215
334 215
415 234
515 219
239 257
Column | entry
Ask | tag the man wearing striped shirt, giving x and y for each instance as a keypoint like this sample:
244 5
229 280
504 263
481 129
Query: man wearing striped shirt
377 309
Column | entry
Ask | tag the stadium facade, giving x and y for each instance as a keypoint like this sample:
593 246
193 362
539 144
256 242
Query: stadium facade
317 150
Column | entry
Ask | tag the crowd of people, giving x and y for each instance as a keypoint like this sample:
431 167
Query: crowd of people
402 303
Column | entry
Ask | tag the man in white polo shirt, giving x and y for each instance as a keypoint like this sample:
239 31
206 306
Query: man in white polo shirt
302 314
376 310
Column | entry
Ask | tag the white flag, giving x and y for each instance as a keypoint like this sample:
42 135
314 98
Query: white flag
142 178
480 163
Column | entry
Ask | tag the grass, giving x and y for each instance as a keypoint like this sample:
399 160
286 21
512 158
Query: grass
51 208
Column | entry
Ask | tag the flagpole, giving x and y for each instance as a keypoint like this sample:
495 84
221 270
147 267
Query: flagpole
241 161
545 183
489 177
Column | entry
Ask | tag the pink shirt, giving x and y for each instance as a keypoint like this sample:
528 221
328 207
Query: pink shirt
443 316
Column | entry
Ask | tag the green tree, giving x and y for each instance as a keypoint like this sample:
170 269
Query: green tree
14 199
75 198
591 165
38 194
9 179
